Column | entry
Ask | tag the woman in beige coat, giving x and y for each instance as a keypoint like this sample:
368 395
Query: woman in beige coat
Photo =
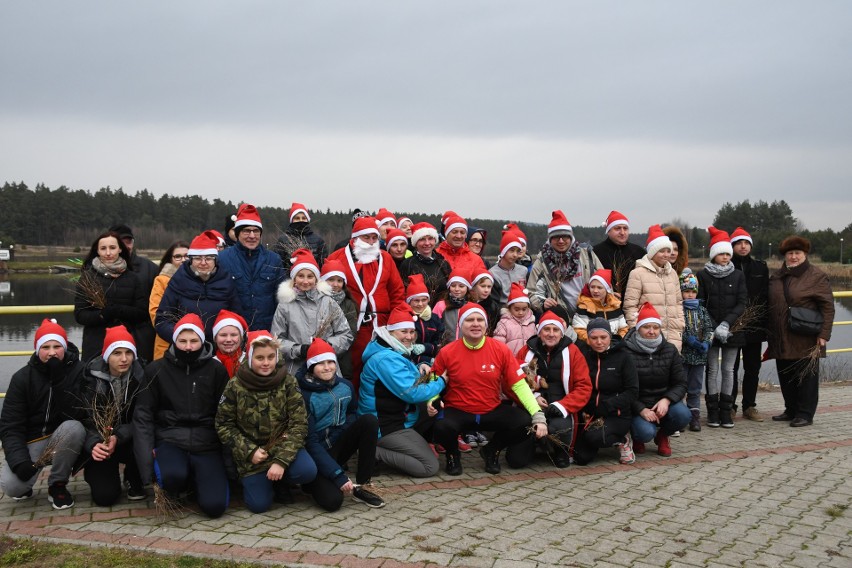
655 281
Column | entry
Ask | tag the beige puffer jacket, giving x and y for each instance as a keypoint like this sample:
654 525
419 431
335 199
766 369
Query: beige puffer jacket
660 287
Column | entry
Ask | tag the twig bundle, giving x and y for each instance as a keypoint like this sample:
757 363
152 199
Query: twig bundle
167 507
809 364
49 451
750 318
90 291
289 243
324 326
372 488
278 434
105 416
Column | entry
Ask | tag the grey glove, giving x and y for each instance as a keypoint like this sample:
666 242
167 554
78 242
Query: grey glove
418 349
722 332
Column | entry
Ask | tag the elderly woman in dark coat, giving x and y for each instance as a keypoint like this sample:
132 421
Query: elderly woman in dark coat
798 284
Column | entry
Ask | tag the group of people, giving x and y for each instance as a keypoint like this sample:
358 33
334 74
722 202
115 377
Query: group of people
237 367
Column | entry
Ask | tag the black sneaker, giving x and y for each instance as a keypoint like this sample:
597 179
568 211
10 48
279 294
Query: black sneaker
492 459
454 466
58 495
368 498
136 493
282 493
24 497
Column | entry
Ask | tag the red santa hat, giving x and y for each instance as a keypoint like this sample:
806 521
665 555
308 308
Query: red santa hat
395 235
299 208
469 309
384 216
447 214
481 273
401 317
614 219
657 240
604 276
517 230
204 244
460 274
247 215
364 226
319 351
416 287
116 337
191 322
303 259
331 268
549 318
454 222
403 219
720 242
510 239
226 318
559 225
421 230
256 337
220 240
518 294
49 330
741 234
647 314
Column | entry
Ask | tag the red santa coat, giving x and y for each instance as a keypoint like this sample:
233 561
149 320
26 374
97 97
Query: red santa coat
461 257
376 288
574 375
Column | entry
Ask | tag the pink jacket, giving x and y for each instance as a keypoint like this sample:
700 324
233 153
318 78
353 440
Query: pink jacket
514 333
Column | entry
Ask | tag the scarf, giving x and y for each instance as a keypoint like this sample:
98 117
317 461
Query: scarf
795 271
691 304
254 382
561 266
719 271
456 303
392 342
231 362
338 296
114 269
648 345
426 313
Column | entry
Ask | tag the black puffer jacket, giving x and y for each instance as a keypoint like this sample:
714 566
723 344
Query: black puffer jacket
615 384
660 373
621 259
38 400
300 235
725 298
435 270
125 304
757 286
97 384
178 406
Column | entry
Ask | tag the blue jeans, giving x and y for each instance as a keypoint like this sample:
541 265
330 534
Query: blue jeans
675 419
725 383
258 490
694 384
177 470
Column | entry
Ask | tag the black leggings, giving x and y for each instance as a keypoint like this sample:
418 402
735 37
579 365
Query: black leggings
104 479
523 453
590 440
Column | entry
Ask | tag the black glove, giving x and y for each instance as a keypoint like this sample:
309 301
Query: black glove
303 351
55 369
25 471
109 313
553 412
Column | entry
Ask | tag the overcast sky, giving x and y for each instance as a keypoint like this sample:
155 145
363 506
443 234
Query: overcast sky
494 109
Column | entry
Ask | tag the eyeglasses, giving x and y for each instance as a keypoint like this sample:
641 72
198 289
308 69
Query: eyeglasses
251 231
179 256
476 241
204 258
561 238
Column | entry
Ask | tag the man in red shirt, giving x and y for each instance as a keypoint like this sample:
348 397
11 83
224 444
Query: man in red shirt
477 369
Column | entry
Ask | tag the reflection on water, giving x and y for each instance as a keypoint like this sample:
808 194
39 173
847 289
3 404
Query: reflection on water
16 331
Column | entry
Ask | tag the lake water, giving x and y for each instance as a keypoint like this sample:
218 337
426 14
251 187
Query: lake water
17 331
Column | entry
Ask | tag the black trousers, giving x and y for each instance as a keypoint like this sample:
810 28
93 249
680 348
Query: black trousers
799 389
509 424
104 478
360 437
590 440
751 354
523 453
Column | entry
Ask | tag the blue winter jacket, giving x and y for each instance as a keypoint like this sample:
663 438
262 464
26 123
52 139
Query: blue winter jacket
331 410
388 389
256 274
187 293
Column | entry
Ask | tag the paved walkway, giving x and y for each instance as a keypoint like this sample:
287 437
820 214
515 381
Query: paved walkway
761 494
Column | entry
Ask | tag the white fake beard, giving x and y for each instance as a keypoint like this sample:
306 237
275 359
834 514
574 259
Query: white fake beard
365 253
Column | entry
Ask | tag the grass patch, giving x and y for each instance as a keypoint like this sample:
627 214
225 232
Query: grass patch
35 554
429 548
836 511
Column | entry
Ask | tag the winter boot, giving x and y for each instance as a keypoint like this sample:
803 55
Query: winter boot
726 403
712 401
663 447
695 423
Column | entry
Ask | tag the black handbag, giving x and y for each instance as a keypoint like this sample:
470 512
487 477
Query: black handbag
802 321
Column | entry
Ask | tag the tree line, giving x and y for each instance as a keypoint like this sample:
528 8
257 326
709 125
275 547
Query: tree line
73 217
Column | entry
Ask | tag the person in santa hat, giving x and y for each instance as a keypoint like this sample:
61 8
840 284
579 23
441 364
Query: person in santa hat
229 331
373 282
174 438
507 271
394 390
306 310
426 261
172 259
256 270
561 270
659 410
262 420
478 369
517 323
598 300
199 286
654 281
109 387
757 285
525 260
334 274
447 309
723 291
564 388
42 404
429 327
396 244
335 433
616 252
299 234
454 249
404 224
385 221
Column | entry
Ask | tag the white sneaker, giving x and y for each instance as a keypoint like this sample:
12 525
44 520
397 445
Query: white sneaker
676 434
625 449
